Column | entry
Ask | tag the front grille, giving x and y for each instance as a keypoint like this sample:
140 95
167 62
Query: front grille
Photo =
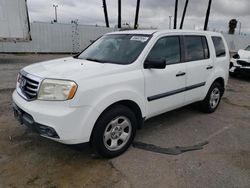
28 85
243 63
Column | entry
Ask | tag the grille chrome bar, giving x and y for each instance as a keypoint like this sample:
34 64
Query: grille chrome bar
32 89
28 85
31 83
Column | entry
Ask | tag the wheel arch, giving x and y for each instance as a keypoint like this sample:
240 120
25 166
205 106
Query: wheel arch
221 81
133 106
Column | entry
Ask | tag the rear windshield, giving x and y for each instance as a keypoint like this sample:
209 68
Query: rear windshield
116 48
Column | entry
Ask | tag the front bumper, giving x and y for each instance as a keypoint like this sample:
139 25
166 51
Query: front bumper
240 70
70 125
28 120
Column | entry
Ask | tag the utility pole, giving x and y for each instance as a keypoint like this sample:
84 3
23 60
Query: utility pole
207 15
175 14
239 27
137 14
119 14
55 6
105 13
170 19
184 13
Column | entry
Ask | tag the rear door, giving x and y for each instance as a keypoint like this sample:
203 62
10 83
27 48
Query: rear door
199 66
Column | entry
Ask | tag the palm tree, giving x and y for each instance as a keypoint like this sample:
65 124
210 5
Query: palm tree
207 14
105 13
184 13
232 25
137 14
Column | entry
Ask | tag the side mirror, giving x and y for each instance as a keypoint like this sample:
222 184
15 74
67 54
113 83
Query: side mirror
236 56
155 64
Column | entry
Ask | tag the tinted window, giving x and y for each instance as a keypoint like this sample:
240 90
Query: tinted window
194 49
219 46
167 48
205 47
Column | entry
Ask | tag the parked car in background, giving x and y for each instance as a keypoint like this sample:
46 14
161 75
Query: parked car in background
240 62
104 94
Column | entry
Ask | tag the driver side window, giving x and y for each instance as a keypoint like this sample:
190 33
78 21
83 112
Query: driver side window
167 48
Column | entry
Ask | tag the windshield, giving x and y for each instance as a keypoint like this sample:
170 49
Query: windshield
116 48
247 48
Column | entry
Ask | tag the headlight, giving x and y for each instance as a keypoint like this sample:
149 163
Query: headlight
58 90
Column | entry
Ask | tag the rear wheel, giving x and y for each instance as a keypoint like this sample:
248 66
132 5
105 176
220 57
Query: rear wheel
213 97
114 131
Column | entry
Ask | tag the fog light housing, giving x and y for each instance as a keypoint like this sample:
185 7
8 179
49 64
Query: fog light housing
48 131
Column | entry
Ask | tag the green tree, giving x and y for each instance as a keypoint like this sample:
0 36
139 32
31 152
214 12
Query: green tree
232 25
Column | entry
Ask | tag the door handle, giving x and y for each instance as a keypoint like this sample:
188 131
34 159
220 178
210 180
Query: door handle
180 74
209 67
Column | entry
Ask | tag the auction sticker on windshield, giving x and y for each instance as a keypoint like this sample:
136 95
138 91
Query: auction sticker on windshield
139 38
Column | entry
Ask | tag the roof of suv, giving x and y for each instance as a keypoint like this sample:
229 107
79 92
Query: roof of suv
150 32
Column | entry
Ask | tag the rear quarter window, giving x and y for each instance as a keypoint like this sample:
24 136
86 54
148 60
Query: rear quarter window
219 46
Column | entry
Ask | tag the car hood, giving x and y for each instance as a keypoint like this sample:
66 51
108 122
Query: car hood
244 55
71 68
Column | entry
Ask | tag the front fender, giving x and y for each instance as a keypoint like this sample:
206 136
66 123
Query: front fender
102 103
107 100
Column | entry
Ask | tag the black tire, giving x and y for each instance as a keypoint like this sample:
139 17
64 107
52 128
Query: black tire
206 105
232 74
231 65
97 138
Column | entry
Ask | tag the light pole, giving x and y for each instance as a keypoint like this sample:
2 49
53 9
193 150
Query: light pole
239 27
55 6
170 17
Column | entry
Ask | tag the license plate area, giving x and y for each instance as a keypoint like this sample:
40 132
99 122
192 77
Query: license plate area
18 114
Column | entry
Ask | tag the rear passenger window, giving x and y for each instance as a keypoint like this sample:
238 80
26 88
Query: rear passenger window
219 46
167 48
196 48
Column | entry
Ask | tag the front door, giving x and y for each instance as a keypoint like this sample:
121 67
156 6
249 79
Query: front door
164 88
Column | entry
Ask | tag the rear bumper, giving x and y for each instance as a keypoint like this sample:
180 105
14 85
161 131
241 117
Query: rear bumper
69 125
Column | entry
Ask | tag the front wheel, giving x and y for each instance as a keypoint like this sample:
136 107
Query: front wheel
213 97
114 131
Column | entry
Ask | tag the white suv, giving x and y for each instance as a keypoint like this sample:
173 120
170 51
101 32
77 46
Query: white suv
106 92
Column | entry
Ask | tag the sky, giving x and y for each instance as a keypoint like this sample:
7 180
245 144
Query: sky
153 13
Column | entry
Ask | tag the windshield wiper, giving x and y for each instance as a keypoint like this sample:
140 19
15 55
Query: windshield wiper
95 60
